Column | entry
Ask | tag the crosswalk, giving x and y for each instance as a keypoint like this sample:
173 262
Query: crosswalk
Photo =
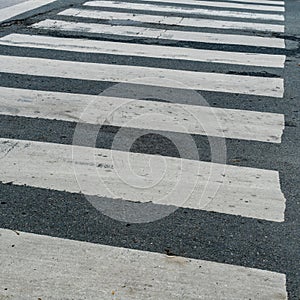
139 44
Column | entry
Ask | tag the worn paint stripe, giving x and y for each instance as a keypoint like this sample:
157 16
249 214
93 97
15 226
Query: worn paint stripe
155 33
153 115
170 20
143 50
15 10
268 2
138 177
81 270
253 85
185 10
222 4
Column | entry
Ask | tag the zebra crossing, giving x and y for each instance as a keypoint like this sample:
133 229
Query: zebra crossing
128 31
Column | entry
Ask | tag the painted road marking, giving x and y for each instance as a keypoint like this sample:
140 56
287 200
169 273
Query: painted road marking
5 3
194 184
238 124
185 10
38 263
221 4
143 50
145 32
268 2
250 85
18 9
170 20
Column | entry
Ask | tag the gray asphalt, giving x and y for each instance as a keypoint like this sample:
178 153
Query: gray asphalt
196 234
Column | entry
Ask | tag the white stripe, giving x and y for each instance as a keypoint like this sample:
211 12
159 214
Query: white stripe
249 125
155 51
263 86
260 2
193 184
15 10
203 37
221 4
176 9
79 270
171 20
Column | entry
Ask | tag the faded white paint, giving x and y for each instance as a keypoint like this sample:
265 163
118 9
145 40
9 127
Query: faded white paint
222 4
18 9
79 270
186 10
143 50
238 124
190 36
137 177
251 85
170 20
269 2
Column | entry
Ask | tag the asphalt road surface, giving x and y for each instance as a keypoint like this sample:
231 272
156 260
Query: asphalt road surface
150 150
